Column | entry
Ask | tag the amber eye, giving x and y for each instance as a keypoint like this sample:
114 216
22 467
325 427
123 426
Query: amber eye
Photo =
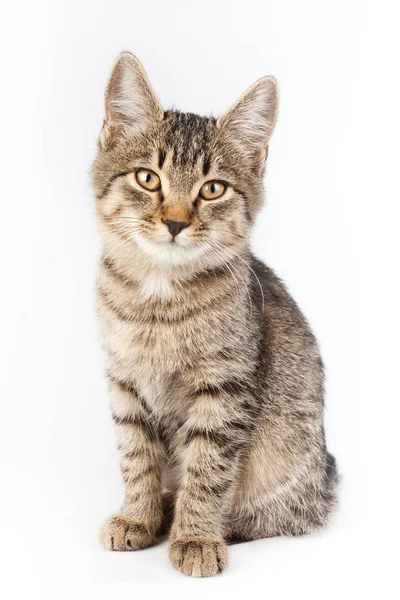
212 190
148 179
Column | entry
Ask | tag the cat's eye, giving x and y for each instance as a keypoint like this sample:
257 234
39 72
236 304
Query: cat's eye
212 190
148 179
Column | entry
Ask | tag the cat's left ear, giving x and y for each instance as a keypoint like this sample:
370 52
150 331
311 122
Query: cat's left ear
130 102
251 119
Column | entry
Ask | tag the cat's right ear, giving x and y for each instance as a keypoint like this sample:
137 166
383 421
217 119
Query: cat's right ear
130 102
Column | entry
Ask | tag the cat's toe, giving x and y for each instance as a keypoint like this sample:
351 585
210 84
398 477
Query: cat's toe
118 533
199 557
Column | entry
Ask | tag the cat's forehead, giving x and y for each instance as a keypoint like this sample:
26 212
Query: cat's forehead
187 139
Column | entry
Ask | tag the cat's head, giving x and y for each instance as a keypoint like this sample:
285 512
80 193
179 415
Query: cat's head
177 186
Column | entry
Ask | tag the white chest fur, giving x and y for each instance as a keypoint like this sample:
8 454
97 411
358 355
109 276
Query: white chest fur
157 287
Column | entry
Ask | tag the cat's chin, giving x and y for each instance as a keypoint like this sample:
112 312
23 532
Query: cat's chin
169 253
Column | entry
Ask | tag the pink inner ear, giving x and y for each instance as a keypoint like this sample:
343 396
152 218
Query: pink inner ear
108 134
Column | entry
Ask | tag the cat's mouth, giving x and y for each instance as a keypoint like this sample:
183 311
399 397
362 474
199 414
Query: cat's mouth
169 250
175 242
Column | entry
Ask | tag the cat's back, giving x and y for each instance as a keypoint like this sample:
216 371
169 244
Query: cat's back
284 319
292 364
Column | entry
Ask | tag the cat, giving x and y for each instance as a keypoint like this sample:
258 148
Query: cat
216 381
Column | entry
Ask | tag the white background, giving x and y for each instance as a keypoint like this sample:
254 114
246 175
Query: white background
329 229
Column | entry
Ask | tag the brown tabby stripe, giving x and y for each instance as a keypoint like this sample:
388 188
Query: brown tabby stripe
216 489
139 453
187 312
216 468
202 276
126 386
161 158
139 422
206 166
133 479
246 204
233 387
116 274
111 306
107 188
211 272
218 437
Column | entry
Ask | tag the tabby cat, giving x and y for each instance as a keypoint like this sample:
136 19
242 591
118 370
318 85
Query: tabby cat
216 381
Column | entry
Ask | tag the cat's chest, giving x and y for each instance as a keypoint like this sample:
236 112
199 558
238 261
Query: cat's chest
161 346
165 346
155 360
156 353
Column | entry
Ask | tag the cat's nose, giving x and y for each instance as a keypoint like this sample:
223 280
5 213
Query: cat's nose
175 227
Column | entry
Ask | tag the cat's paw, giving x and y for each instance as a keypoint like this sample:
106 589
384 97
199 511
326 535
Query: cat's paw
118 533
199 557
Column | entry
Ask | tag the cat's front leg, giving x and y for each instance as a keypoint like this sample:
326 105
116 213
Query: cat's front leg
140 456
215 436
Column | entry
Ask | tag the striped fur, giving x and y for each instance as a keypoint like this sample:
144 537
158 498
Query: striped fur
216 381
